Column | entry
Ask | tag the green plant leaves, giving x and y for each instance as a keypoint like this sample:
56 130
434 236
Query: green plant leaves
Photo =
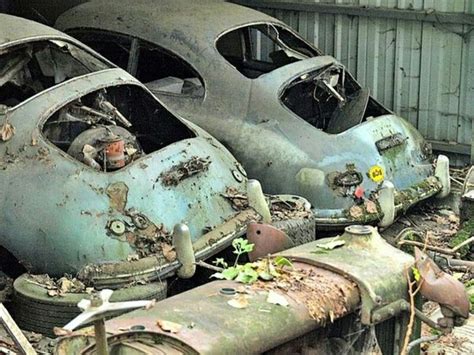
247 274
416 274
281 261
220 262
241 246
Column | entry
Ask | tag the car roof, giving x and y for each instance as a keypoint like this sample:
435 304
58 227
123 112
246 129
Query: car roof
176 24
14 29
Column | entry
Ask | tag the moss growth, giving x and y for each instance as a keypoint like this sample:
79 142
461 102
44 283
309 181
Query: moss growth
407 198
463 234
470 291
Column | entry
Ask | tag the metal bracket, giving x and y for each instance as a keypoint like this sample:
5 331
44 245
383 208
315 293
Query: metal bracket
96 310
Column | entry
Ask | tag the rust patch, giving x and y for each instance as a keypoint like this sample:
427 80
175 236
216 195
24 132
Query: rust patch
327 296
183 170
118 194
266 239
152 240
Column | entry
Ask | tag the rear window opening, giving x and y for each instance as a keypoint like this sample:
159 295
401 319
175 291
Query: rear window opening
258 49
110 128
28 69
163 72
330 101
159 69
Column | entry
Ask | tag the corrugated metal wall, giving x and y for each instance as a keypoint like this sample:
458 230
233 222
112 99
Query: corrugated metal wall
418 63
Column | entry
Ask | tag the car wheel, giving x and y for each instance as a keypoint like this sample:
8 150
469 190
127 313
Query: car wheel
300 231
35 311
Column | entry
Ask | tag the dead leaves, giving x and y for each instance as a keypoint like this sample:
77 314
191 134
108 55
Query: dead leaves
371 207
169 327
6 131
277 298
241 301
60 287
168 252
280 209
329 245
185 169
324 299
356 212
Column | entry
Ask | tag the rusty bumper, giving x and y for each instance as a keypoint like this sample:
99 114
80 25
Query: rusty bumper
115 275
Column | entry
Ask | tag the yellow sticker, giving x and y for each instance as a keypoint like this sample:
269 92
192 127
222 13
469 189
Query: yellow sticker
376 173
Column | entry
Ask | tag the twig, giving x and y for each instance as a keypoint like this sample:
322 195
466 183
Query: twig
412 222
412 293
424 339
460 245
208 266
402 234
428 236
428 247
457 181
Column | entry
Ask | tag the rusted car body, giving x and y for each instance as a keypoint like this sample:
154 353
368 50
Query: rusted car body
96 172
295 118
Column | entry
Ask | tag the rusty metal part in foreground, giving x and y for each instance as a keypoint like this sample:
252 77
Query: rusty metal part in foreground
266 239
209 325
442 288
366 258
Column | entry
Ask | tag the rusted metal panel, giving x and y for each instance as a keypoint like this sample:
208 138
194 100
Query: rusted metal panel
440 287
266 239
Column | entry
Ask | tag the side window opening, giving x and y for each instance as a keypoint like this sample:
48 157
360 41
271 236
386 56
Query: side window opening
28 69
160 70
113 47
258 49
110 128
164 72
329 100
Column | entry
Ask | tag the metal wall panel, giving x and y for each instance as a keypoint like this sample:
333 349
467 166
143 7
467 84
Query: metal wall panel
421 68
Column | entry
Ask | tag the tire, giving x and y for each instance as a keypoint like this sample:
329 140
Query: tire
300 231
34 310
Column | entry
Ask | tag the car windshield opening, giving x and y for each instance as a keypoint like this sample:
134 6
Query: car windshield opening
28 69
112 127
330 100
258 49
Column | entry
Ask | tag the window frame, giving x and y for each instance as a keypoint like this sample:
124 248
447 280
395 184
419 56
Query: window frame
134 56
246 48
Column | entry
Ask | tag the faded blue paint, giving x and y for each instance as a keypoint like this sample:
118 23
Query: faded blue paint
54 210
